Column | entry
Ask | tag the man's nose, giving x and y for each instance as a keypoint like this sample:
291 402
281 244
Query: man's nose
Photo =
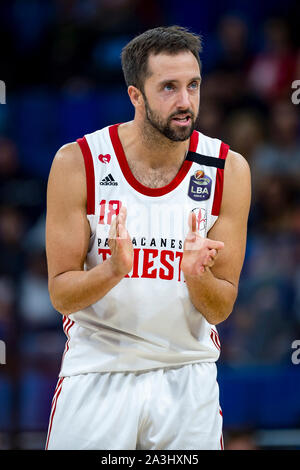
183 99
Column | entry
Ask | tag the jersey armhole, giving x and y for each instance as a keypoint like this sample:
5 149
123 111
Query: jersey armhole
90 175
219 181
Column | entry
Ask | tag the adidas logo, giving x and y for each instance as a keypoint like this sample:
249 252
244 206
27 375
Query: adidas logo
109 181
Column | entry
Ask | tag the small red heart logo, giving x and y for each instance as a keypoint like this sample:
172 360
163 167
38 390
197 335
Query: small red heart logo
104 158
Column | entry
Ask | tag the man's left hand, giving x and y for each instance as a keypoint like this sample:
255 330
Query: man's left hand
198 253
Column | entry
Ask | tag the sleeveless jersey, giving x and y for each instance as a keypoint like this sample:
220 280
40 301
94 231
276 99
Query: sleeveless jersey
147 321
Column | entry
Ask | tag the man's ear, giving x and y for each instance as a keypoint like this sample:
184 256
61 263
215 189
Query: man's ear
136 96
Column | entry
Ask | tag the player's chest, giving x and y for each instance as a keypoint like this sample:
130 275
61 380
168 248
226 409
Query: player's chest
153 178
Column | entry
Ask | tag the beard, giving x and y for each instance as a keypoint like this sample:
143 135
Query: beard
165 128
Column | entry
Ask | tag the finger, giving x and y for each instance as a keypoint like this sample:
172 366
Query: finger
117 226
191 237
213 253
215 244
192 222
209 259
210 262
123 234
113 228
118 219
122 216
201 269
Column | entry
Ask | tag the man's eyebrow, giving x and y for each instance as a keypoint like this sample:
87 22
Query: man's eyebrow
194 79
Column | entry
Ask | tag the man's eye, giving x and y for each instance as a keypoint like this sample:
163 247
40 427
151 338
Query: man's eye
194 85
169 87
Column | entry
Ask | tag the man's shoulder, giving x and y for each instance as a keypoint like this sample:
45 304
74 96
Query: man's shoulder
70 154
67 176
237 183
237 163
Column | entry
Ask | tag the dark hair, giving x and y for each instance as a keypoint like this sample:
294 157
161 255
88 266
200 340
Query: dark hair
170 39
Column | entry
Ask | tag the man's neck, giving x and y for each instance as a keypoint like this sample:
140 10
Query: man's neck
150 148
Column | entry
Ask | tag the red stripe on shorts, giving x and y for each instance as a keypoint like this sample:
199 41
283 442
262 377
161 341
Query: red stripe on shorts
222 442
53 407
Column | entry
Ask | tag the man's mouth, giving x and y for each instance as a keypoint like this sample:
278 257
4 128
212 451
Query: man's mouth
182 119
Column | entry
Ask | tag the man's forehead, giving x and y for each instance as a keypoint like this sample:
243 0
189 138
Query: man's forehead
164 63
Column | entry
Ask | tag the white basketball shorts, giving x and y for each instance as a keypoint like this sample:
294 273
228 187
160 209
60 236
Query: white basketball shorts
167 409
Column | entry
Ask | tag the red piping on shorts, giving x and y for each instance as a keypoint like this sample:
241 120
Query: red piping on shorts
53 407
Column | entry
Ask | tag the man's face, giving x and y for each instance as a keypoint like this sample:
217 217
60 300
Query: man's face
172 94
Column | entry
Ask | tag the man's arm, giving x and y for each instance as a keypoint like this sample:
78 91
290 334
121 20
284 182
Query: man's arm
67 238
214 291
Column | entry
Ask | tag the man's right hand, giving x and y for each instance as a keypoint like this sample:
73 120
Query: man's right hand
73 288
120 244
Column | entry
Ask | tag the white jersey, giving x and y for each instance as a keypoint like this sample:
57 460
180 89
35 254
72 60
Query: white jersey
147 321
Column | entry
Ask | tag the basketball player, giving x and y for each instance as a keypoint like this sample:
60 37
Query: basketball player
145 234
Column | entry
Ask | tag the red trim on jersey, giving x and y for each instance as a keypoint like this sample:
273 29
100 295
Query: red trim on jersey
90 175
155 192
53 407
215 339
219 181
67 325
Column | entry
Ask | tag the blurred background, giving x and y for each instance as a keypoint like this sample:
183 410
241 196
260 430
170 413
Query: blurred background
60 61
